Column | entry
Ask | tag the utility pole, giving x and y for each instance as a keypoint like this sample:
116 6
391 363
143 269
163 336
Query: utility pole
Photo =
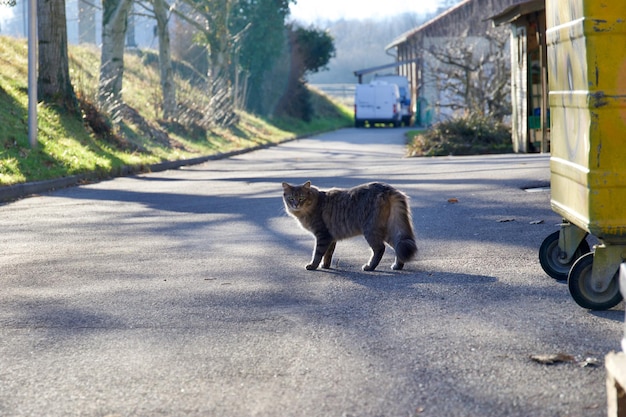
32 73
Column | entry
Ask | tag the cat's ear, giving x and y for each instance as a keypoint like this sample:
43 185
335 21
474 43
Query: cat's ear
286 186
307 185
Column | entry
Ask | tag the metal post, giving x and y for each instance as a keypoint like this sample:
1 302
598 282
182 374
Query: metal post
543 65
32 72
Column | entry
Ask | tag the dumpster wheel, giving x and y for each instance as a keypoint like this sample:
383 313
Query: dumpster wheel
550 257
581 286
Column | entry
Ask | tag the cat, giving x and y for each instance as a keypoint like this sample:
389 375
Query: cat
377 211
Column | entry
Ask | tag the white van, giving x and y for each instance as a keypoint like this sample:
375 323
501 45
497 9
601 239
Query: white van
377 102
405 94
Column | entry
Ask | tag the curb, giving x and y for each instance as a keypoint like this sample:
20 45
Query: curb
17 191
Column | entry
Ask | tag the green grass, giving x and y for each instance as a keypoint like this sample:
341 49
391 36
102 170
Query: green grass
68 144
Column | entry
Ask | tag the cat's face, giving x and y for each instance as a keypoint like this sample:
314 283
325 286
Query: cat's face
297 197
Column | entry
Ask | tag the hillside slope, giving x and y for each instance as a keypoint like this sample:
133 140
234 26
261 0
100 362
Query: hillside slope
90 143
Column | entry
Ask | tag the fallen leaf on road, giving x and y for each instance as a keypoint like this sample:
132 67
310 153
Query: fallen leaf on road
590 362
453 200
550 359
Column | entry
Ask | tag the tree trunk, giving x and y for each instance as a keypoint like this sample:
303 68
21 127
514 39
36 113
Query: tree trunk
220 50
53 81
114 23
168 87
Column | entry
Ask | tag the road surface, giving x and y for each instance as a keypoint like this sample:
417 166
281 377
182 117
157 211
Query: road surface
184 293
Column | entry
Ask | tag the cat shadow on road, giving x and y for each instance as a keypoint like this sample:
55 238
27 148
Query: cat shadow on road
386 279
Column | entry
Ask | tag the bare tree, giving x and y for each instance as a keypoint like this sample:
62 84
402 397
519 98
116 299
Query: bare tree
211 20
86 22
168 87
472 74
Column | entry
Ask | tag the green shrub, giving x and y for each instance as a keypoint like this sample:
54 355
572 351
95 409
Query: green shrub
472 134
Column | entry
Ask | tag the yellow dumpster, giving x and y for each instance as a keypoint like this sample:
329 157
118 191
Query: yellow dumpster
587 75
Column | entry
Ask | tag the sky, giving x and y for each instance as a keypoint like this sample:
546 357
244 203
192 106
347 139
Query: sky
6 12
310 11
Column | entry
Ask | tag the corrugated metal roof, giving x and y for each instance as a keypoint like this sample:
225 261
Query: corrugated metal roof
519 7
406 35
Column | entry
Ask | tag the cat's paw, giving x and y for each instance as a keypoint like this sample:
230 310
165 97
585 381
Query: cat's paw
326 266
367 267
311 267
397 266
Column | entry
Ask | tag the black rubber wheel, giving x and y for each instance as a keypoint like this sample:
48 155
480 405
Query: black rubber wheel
550 259
582 291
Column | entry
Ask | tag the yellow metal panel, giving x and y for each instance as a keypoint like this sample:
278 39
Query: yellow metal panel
587 76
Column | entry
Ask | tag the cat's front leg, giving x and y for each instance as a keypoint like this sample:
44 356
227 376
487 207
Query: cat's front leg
328 256
322 243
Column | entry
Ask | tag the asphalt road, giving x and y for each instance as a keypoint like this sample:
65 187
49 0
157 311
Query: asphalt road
184 293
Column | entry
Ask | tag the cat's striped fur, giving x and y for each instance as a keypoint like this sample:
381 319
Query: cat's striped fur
377 211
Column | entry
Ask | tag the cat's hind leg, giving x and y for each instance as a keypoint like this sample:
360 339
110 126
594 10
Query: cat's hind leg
328 256
378 250
397 265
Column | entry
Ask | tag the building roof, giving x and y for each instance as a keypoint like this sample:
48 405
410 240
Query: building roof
512 13
406 35
380 67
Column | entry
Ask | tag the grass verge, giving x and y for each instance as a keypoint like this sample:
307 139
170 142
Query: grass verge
90 144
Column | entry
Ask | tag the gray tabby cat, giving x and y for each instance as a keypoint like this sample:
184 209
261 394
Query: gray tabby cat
377 211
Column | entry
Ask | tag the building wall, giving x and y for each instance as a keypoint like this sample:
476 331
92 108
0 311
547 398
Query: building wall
468 18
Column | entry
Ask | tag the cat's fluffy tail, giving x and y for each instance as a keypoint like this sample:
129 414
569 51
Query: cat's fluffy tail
400 227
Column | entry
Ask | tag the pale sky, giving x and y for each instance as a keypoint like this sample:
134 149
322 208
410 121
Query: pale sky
310 11
6 12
